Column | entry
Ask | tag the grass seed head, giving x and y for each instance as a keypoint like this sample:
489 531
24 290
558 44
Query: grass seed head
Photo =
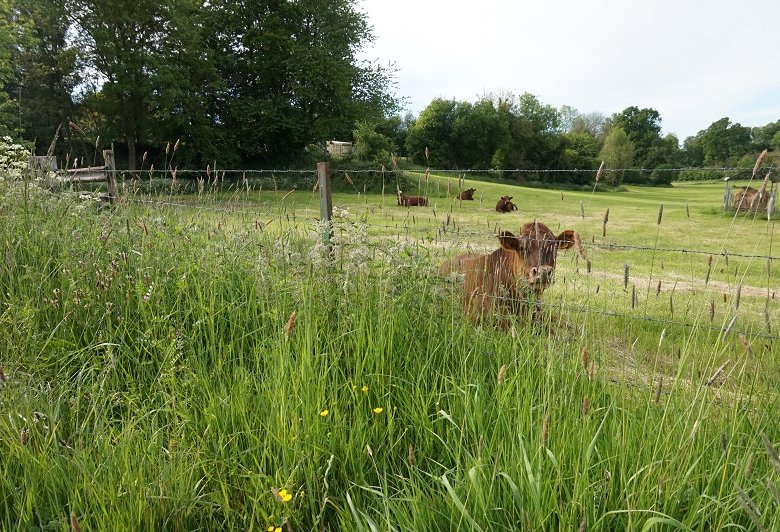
74 522
772 452
749 465
745 344
288 329
738 297
546 428
759 161
585 406
601 169
501 374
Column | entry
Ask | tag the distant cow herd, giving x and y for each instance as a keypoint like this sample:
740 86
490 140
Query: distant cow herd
511 279
504 204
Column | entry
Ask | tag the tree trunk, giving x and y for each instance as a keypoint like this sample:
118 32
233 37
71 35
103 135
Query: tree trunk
131 152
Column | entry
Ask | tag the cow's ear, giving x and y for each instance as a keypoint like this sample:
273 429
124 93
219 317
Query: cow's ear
509 241
570 239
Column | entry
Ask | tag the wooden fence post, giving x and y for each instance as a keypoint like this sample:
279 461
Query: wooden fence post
108 157
326 203
727 197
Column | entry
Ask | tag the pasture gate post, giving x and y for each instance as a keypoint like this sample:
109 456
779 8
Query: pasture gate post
727 197
326 203
108 157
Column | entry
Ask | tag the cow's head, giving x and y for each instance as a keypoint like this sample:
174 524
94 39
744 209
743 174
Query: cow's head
536 251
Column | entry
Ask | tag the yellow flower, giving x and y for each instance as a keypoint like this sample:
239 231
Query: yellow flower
278 529
325 412
284 495
378 410
271 528
364 389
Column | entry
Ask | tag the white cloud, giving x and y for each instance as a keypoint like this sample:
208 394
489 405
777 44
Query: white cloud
694 62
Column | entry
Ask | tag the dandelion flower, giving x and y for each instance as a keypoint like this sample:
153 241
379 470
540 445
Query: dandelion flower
378 410
364 389
324 413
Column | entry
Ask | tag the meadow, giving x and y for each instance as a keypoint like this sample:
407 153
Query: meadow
195 361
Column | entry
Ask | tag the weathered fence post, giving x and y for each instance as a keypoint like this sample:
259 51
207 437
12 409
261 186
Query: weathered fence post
108 157
326 203
727 197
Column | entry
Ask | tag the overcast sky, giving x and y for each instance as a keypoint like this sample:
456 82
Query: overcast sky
694 61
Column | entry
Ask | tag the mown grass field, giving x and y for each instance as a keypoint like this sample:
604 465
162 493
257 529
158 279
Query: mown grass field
153 377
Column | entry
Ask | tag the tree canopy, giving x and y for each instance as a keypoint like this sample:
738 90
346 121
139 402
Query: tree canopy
243 82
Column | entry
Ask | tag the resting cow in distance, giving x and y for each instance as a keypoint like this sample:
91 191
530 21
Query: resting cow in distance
505 204
514 275
411 201
467 195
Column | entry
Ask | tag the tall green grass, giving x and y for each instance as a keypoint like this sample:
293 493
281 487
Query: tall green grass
155 380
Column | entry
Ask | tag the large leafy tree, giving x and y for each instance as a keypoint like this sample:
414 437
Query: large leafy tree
47 73
187 91
14 32
432 131
723 141
534 127
643 127
123 41
291 74
480 135
618 154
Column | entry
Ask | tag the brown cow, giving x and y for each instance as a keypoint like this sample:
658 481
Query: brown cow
411 201
514 275
505 204
750 199
467 195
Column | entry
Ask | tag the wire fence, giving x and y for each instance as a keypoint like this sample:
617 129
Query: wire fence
439 232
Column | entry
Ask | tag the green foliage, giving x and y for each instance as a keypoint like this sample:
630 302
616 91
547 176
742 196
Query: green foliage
581 152
700 174
534 129
643 127
371 145
724 141
618 154
47 73
433 131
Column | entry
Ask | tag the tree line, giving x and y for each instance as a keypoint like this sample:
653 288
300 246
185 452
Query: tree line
265 83
504 131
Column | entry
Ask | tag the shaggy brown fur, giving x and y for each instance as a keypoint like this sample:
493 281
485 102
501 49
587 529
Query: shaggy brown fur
467 195
505 204
411 201
515 273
